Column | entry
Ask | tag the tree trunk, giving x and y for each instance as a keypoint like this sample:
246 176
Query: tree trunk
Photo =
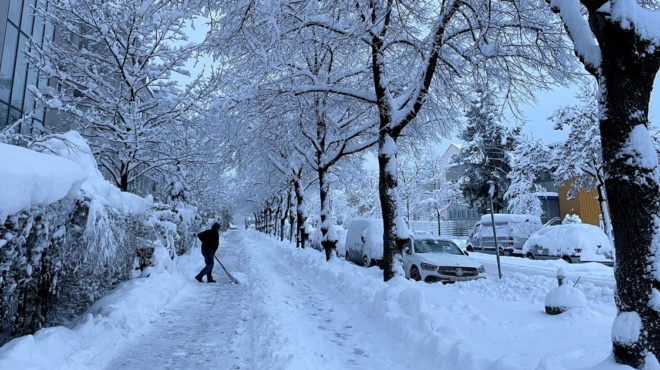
387 189
292 216
123 185
631 181
604 210
329 246
301 217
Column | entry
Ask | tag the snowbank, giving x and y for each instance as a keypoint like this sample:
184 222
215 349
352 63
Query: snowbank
58 167
31 178
72 146
482 325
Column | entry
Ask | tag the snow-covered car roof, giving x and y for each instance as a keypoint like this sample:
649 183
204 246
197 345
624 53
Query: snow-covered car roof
509 218
521 226
564 239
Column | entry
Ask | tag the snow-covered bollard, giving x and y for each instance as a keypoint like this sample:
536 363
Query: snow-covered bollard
564 297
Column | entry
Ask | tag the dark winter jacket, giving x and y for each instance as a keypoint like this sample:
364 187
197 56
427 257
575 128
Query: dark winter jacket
210 240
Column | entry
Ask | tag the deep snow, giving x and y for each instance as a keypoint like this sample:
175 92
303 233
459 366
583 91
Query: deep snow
293 310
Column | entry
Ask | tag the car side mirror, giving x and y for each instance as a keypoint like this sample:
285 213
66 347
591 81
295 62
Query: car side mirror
407 250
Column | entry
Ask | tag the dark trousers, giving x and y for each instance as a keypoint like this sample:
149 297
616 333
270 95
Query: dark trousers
208 260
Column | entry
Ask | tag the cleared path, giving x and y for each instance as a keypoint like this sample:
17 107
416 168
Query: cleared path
199 330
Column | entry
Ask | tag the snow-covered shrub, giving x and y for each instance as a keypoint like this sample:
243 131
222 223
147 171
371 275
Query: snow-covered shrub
68 236
175 228
571 219
30 266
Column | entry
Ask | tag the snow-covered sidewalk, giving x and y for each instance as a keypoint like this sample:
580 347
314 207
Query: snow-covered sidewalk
199 329
294 311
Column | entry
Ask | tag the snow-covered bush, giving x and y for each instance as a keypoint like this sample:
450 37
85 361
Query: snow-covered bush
68 236
571 219
30 266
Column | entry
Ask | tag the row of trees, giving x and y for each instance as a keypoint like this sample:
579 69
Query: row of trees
307 85
403 68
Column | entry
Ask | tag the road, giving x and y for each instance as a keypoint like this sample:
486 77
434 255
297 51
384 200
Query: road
594 273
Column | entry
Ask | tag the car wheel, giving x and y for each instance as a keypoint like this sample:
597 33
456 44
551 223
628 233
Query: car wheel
567 259
414 274
530 256
469 248
366 262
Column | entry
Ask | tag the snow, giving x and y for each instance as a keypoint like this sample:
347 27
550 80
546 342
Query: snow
640 151
514 225
293 310
567 239
366 235
583 40
565 296
32 178
630 14
626 328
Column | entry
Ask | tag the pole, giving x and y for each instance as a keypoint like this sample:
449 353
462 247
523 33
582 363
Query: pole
491 192
230 276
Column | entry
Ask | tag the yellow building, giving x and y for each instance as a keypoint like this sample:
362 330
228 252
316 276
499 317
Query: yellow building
585 204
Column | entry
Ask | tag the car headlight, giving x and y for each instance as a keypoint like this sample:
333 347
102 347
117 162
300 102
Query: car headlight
428 266
481 269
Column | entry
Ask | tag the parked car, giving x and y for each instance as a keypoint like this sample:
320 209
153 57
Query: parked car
432 258
571 242
316 236
315 239
341 244
512 232
364 241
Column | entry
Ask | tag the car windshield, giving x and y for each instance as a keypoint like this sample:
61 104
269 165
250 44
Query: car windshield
436 246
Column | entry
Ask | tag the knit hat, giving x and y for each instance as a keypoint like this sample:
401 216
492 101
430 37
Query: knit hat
216 226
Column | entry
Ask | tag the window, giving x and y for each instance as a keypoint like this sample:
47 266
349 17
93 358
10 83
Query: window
27 19
15 10
7 62
20 75
4 114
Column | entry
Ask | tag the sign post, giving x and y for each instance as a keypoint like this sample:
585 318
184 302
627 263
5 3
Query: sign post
492 190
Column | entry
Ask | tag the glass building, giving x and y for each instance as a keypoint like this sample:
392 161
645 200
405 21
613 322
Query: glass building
17 25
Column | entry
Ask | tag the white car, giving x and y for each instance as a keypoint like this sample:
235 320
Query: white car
571 242
432 258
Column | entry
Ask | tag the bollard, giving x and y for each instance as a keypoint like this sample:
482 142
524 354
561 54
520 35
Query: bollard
561 277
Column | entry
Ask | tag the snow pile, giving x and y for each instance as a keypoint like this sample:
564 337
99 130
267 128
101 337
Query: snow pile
64 166
480 325
31 178
72 146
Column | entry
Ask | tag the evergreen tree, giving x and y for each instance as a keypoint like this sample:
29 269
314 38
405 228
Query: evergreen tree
485 154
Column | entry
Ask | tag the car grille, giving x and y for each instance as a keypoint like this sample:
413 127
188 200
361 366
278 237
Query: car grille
458 271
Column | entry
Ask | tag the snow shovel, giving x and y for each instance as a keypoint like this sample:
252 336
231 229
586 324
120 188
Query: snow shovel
233 279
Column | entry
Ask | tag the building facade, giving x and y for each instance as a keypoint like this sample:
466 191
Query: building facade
17 26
